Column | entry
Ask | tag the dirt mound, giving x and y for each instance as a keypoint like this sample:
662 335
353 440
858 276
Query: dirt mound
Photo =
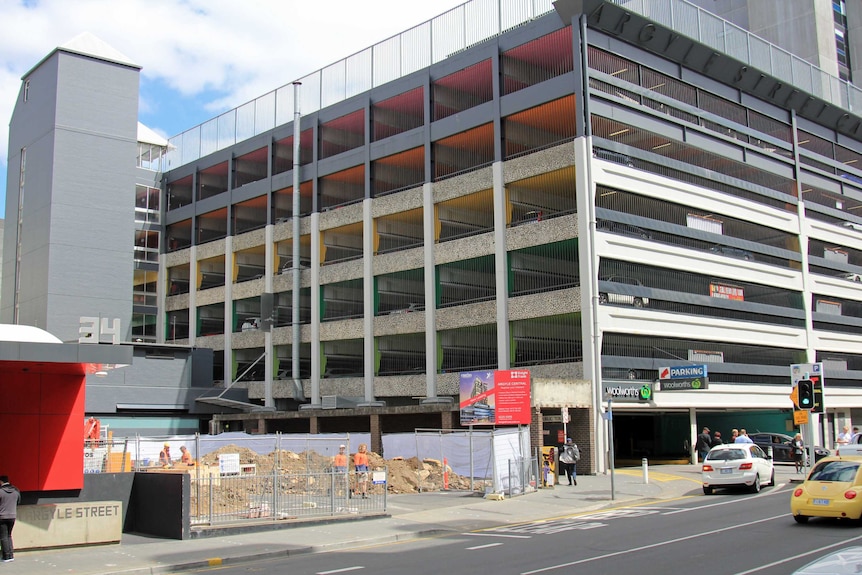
403 475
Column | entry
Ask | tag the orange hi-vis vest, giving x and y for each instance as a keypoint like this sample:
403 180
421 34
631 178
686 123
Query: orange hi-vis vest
340 460
360 458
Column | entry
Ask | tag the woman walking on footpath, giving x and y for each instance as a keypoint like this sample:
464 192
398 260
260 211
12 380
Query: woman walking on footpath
798 451
10 497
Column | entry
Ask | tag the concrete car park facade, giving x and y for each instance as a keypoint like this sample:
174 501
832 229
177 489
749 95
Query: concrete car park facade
494 177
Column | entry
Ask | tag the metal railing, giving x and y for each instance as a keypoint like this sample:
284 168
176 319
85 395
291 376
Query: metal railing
217 499
471 23
738 43
419 47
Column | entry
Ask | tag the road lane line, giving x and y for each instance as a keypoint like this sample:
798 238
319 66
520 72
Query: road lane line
354 568
498 535
818 550
652 546
483 546
728 502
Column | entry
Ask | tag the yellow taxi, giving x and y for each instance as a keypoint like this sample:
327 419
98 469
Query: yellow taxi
832 489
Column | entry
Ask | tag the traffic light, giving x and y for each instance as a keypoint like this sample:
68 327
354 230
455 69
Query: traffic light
818 396
805 388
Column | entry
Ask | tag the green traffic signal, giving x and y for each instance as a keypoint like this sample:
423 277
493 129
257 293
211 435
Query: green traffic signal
805 389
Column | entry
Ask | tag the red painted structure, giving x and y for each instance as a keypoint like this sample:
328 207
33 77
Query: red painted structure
43 386
42 408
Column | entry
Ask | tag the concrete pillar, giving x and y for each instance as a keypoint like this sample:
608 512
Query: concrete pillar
376 435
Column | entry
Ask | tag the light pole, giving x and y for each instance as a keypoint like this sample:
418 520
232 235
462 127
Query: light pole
609 415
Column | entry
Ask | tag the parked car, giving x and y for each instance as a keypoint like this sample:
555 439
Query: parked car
633 300
624 229
781 450
852 276
852 448
832 489
845 561
737 465
409 309
732 252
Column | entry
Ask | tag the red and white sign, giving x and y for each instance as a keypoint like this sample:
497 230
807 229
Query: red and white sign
495 397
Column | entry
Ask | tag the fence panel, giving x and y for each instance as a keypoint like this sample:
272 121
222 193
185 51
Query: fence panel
243 497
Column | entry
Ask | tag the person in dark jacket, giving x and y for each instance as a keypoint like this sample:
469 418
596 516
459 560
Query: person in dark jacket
704 443
10 497
716 439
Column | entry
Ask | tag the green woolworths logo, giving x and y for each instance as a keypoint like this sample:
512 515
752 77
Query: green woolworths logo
645 393
696 384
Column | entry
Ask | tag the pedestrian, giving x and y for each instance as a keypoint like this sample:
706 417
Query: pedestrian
569 457
10 497
704 442
844 436
798 451
743 437
734 433
360 462
716 439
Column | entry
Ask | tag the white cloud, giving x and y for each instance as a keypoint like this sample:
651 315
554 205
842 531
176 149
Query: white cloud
229 51
200 58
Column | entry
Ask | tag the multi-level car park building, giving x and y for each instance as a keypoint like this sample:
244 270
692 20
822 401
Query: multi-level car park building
590 190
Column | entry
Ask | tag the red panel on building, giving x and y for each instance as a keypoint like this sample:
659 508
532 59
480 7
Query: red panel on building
44 411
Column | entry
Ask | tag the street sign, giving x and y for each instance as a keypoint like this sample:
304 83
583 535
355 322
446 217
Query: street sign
683 372
800 416
794 397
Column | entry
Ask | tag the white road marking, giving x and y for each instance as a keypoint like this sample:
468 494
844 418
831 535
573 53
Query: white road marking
498 535
728 502
653 546
483 546
813 551
354 568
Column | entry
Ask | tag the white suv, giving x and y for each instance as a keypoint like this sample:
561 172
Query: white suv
633 300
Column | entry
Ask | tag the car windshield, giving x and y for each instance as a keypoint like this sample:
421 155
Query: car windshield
843 471
725 455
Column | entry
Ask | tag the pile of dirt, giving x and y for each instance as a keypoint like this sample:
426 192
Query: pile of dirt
403 475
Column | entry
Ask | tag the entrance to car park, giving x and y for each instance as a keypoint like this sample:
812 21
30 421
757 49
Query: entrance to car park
661 437
665 436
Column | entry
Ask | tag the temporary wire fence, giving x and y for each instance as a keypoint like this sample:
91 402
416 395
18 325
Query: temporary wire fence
279 496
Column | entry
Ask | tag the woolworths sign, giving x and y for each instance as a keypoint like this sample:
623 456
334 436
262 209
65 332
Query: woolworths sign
628 392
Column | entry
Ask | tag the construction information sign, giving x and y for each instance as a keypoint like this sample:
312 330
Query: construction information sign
498 397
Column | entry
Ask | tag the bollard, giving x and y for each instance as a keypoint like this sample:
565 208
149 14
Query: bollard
645 467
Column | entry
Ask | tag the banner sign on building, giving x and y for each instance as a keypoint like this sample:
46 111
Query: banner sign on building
725 291
627 392
498 397
683 378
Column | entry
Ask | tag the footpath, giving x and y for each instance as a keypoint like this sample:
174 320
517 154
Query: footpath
409 516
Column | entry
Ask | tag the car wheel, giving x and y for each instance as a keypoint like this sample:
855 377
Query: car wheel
638 302
755 487
707 490
800 518
603 298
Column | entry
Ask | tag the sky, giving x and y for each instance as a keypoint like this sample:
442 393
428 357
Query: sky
199 58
